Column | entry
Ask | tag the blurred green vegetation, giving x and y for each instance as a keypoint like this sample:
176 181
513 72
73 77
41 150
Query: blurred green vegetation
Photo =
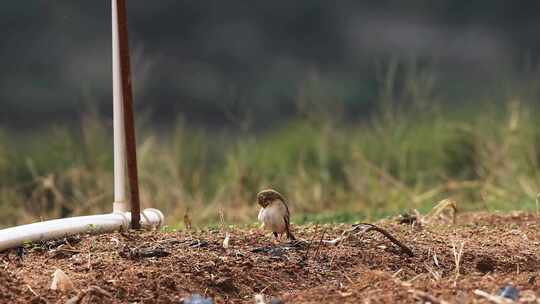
408 155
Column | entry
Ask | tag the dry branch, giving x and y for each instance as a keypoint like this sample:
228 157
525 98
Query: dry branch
95 289
362 228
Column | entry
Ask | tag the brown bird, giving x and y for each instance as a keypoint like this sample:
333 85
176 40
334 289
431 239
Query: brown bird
274 213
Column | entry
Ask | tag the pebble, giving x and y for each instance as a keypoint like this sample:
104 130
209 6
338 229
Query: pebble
509 292
197 299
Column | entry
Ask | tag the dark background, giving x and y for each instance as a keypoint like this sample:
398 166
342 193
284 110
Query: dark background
203 60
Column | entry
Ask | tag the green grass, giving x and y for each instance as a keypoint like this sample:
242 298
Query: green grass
486 157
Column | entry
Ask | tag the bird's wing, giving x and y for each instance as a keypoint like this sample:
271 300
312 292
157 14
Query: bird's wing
287 218
287 213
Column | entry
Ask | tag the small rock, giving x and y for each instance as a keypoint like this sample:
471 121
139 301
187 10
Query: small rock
196 299
509 292
225 284
276 301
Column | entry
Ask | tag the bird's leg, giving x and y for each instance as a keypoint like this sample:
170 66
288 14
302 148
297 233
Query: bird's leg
276 240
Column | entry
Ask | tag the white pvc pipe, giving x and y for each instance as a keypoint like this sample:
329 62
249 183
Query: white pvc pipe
119 204
119 219
55 229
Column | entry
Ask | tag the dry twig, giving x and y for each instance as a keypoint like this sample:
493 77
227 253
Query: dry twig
224 229
457 257
320 242
96 289
426 297
32 291
362 228
309 244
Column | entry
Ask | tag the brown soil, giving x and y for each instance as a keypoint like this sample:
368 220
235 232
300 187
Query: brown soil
498 250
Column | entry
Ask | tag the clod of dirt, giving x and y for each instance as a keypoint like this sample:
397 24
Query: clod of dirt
407 219
61 252
225 284
38 300
280 251
275 252
485 265
61 281
198 244
143 252
69 240
168 283
196 299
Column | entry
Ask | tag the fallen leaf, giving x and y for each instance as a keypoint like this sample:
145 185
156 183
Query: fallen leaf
61 281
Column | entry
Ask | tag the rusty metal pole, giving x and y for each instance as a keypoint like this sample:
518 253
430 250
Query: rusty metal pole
129 127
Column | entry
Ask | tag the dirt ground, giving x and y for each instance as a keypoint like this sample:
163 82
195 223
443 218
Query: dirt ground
165 267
